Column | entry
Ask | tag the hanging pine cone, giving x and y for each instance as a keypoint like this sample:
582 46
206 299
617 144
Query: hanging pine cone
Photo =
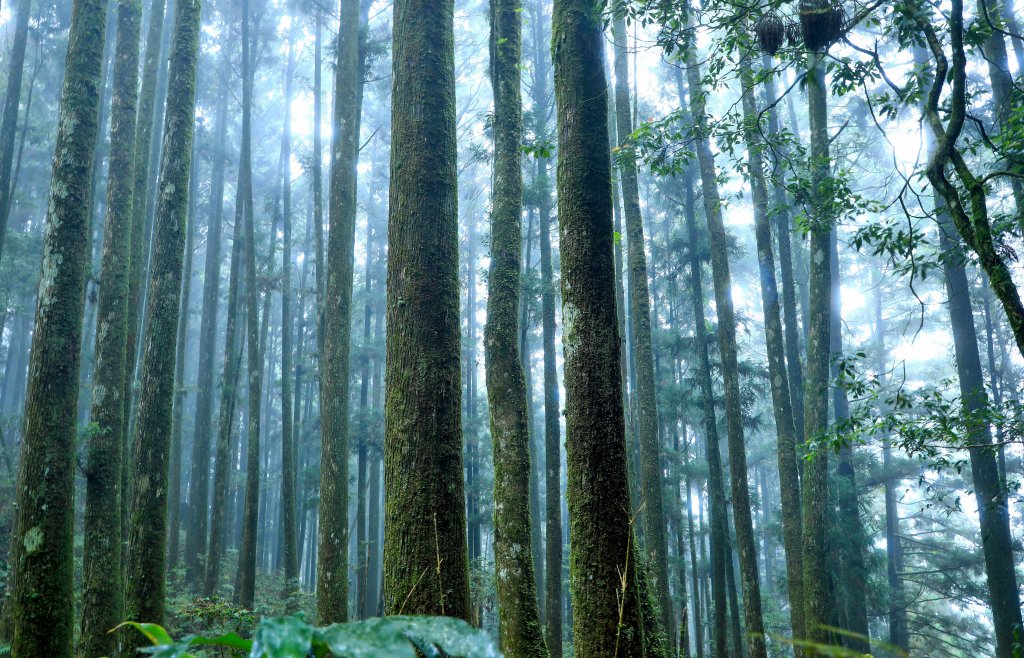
770 32
821 23
793 36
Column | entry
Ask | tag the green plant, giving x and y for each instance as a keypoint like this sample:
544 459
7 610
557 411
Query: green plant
292 637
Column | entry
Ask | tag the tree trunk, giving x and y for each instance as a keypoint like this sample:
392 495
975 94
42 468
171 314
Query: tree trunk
718 239
180 390
9 122
332 567
852 546
245 593
43 561
651 507
102 597
519 628
145 575
603 574
817 604
716 479
288 476
789 481
145 118
199 479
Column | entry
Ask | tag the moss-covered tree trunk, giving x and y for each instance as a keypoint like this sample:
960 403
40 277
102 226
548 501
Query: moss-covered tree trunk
745 544
817 604
43 555
789 481
425 566
9 122
783 229
519 628
144 121
652 508
332 555
180 390
552 411
147 535
199 478
245 592
102 595
603 576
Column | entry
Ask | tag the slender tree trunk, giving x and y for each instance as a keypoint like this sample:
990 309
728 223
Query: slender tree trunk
318 195
854 574
718 239
9 122
199 479
552 410
145 119
603 573
789 481
651 509
246 590
225 462
519 628
147 536
332 567
817 604
288 475
716 480
43 560
102 597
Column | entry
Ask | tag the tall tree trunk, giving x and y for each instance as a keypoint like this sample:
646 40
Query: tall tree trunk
245 593
225 462
9 122
43 560
318 194
651 508
854 574
180 390
102 595
145 118
552 411
897 612
745 544
147 536
789 482
602 568
199 478
716 479
288 475
425 515
332 567
519 628
817 604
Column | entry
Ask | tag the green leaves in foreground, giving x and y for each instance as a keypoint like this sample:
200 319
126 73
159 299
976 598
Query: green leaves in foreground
292 637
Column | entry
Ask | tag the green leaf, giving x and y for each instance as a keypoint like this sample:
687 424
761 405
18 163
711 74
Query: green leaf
363 639
282 637
155 633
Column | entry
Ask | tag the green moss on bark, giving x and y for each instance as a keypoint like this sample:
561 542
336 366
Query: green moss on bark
519 625
425 565
43 543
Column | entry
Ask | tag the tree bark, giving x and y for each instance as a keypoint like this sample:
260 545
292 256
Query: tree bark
102 597
145 575
519 628
745 544
43 560
789 481
602 570
651 508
